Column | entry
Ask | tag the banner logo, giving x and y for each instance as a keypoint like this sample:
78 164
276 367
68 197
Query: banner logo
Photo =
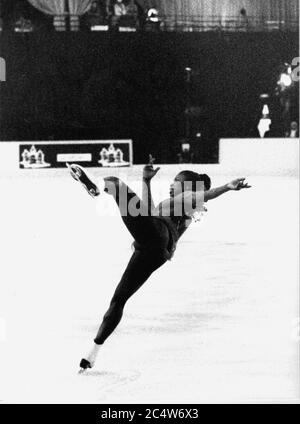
33 158
112 157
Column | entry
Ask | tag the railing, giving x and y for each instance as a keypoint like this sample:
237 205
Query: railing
228 23
186 24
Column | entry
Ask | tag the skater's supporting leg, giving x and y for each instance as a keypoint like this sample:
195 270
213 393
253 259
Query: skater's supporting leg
139 269
152 241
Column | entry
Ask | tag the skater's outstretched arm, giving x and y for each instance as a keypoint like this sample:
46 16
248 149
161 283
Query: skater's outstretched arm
237 184
194 200
148 173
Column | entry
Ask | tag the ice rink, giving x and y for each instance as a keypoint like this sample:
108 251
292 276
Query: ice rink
216 324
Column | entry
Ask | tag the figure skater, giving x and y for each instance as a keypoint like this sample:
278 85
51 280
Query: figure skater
155 230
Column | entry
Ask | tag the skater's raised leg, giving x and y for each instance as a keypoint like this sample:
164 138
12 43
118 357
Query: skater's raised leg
80 174
144 229
130 205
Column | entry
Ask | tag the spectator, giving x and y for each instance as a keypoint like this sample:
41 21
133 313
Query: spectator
98 13
264 123
119 8
131 17
131 9
186 155
119 12
293 132
243 19
125 14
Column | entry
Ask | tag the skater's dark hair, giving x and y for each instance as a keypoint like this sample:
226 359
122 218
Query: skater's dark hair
193 177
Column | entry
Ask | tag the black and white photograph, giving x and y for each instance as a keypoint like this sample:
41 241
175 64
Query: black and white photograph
149 219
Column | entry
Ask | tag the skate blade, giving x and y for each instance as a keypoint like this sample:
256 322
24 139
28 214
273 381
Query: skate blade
93 192
73 174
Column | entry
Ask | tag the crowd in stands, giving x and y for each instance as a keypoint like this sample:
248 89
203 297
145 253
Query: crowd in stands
22 17
115 13
108 12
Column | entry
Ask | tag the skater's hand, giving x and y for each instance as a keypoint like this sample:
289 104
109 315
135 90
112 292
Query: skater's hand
238 184
149 172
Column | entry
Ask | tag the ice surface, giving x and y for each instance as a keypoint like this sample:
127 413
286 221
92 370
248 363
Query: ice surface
216 324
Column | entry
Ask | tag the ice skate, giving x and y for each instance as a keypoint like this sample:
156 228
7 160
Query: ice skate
80 175
84 365
89 360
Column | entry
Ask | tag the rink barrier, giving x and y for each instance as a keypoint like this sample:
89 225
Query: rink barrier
16 156
256 156
237 157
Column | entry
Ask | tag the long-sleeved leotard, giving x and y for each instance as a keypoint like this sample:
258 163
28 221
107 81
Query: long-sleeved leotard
153 247
155 231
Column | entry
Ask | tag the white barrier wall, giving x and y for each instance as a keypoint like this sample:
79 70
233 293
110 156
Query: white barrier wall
238 157
9 157
267 156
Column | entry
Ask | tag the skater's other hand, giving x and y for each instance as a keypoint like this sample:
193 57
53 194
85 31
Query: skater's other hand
149 172
238 184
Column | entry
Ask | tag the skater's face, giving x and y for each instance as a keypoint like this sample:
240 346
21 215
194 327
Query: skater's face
182 183
179 185
175 188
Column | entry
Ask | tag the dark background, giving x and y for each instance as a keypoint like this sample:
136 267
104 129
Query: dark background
86 85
